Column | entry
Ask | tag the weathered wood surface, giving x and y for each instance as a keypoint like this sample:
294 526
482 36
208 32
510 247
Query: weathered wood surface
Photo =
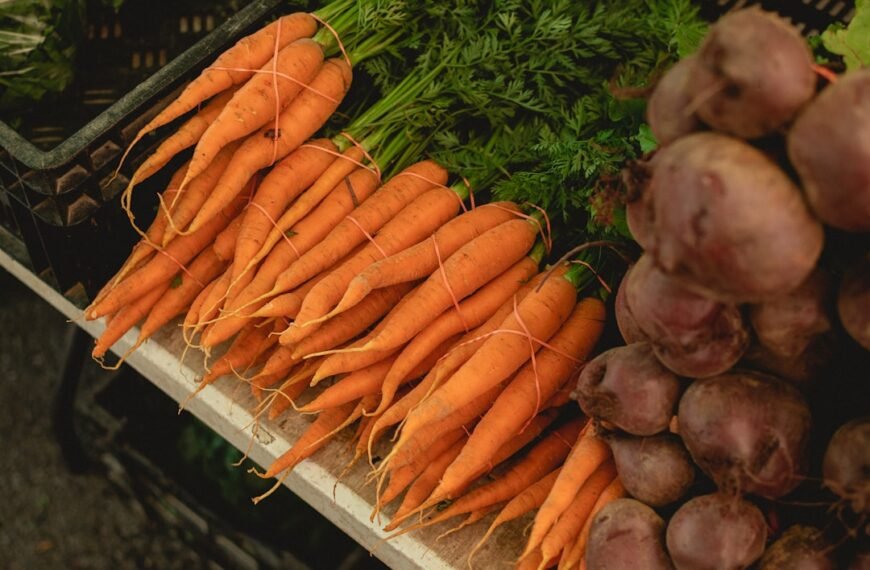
347 503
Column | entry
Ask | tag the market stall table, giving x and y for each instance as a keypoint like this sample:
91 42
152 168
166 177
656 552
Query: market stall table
346 502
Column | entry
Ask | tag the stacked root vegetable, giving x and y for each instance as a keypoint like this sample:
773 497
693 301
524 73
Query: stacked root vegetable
753 216
344 277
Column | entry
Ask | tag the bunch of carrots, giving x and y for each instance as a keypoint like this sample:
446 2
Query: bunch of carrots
348 261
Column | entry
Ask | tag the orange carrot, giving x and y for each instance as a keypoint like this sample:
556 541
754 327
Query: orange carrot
296 123
527 501
368 217
287 305
423 486
312 440
472 266
538 316
575 515
286 395
588 454
519 401
541 459
287 179
472 312
234 66
259 100
532 562
126 318
577 552
164 265
403 476
185 137
182 291
351 388
411 224
225 243
291 373
187 202
305 235
338 171
191 318
421 260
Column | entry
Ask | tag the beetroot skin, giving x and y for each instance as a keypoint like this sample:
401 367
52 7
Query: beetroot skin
800 548
628 327
847 464
627 535
712 532
668 110
853 302
727 221
753 74
829 146
656 470
747 431
692 335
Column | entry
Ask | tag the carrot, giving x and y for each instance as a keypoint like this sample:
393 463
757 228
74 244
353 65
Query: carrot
350 324
335 174
527 501
403 476
541 459
368 217
234 66
225 242
287 179
145 248
211 306
291 374
187 202
573 518
577 552
185 137
538 316
520 401
126 318
305 235
311 440
411 224
191 318
531 562
296 123
286 395
251 343
472 266
259 100
505 452
472 312
423 486
287 305
182 291
350 388
588 454
163 266
421 260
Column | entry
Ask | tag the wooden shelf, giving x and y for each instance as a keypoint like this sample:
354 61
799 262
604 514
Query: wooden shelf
347 503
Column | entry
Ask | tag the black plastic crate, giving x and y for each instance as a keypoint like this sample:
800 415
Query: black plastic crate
62 202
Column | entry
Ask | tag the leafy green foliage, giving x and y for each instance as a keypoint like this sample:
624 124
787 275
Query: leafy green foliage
853 41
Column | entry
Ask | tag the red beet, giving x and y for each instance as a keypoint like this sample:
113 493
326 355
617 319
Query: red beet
853 302
727 221
747 431
627 535
692 335
668 110
712 532
624 319
799 548
628 388
753 74
846 466
829 146
656 470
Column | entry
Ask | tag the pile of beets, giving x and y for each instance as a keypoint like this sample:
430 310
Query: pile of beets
753 285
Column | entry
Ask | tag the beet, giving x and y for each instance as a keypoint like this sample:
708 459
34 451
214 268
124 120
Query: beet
829 146
692 335
727 221
788 323
802 370
846 466
624 319
853 302
668 109
656 470
717 531
627 535
799 548
747 431
753 74
628 388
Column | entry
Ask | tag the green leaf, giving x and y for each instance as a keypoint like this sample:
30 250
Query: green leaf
851 42
290 233
176 282
646 139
